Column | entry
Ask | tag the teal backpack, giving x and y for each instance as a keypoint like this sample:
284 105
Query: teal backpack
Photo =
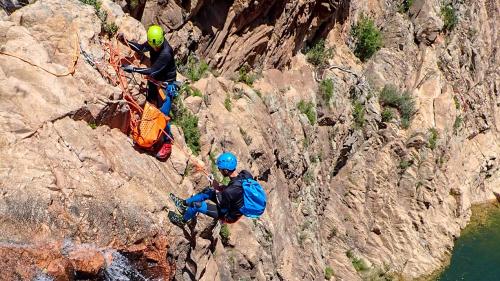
254 199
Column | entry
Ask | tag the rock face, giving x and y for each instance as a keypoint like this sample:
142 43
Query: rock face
233 33
368 201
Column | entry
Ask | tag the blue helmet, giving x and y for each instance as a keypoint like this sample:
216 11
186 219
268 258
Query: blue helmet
227 161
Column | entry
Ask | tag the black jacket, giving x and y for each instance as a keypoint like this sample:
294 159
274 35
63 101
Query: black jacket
230 199
162 62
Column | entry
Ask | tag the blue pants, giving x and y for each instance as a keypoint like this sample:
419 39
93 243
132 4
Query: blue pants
196 204
164 105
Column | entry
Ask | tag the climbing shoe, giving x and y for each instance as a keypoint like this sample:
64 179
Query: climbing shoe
179 203
176 219
164 152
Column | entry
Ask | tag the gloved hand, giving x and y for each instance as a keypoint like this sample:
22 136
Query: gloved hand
128 68
121 37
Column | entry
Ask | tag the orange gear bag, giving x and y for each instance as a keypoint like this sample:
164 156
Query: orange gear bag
149 130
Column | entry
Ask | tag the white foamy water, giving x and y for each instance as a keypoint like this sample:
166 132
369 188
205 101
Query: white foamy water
121 269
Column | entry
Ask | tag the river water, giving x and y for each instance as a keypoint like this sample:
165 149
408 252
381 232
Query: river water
476 255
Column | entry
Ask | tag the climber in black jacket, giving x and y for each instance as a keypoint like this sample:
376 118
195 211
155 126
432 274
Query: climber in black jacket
228 199
162 70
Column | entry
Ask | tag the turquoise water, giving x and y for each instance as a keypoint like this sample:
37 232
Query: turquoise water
476 256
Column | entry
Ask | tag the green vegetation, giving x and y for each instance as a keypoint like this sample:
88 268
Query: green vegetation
433 137
358 113
195 69
449 15
405 164
224 234
245 76
403 102
457 124
367 37
227 103
308 109
405 6
308 177
189 91
92 125
328 273
188 122
387 115
326 89
96 4
457 102
109 28
319 54
225 181
358 263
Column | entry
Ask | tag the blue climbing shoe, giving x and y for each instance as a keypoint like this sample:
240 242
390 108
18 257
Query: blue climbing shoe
179 203
176 219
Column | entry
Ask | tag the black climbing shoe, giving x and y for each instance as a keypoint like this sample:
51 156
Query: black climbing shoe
179 203
176 219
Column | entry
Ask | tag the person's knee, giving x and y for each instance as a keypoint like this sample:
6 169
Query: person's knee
201 207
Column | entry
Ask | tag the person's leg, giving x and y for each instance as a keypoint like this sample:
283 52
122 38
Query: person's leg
201 207
201 196
152 96
165 109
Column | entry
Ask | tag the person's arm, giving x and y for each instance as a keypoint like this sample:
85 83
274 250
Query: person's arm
163 60
140 48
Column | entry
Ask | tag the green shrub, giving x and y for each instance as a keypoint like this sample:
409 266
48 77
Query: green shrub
387 115
92 125
319 54
405 164
96 4
328 273
110 29
358 113
227 103
308 109
187 90
194 69
358 263
367 37
449 15
405 5
433 137
245 76
188 122
326 89
457 124
225 234
404 103
457 102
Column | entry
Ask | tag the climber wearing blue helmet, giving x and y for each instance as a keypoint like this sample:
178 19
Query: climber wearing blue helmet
228 198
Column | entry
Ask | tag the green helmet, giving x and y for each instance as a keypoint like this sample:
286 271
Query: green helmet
155 36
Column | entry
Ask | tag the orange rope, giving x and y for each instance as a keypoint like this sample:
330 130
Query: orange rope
69 72
115 61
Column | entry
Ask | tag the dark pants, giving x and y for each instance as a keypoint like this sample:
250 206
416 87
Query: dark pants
196 204
164 105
